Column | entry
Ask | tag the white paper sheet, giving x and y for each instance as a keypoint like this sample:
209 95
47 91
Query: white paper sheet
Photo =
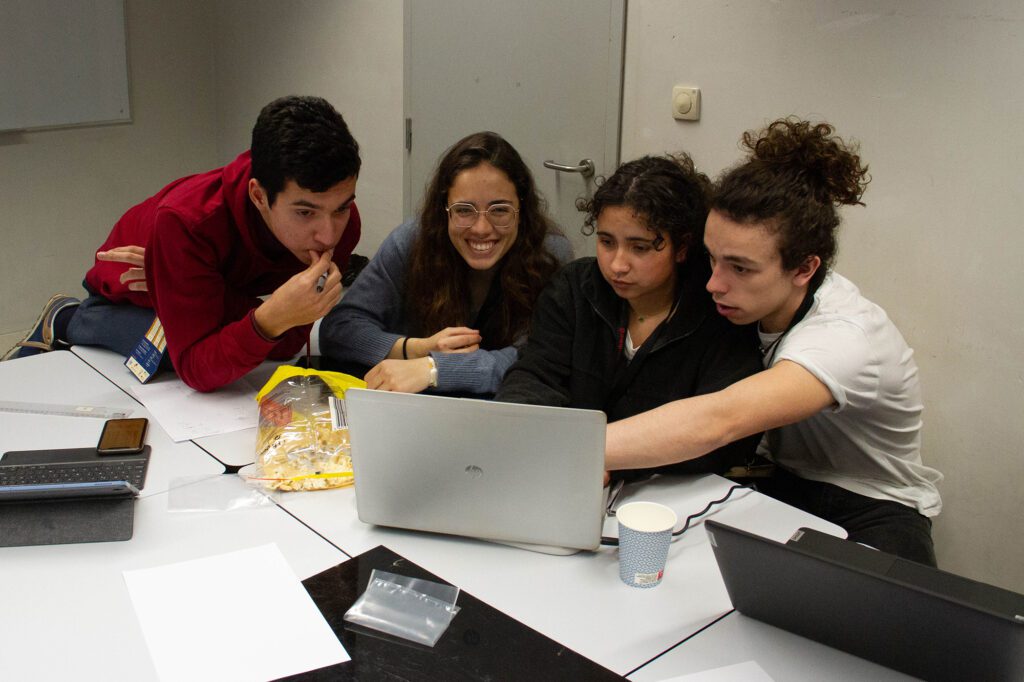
236 617
749 671
186 414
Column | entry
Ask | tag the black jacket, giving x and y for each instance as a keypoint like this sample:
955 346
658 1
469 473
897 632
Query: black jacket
574 358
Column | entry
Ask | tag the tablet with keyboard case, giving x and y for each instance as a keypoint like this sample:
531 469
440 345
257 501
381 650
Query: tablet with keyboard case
76 518
72 465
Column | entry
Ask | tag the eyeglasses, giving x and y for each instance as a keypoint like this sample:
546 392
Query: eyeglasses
466 215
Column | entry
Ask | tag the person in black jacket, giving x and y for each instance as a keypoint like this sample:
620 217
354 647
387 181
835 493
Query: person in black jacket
635 328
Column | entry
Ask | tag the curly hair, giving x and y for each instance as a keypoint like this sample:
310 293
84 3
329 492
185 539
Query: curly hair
666 192
302 139
437 280
796 175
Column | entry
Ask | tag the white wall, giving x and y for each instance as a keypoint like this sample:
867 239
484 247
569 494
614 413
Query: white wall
932 91
350 53
62 190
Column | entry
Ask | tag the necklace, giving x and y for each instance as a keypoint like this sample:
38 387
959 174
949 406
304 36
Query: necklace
643 318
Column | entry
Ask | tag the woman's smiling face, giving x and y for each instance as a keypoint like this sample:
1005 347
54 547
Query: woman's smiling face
482 245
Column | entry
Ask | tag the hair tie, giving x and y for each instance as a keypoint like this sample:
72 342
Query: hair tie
404 342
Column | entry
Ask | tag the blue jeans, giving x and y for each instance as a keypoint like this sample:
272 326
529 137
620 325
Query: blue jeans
883 524
115 326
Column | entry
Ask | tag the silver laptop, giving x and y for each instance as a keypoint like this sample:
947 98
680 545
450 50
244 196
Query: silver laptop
521 474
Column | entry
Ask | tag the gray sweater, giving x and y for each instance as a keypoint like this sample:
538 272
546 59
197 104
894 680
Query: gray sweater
363 328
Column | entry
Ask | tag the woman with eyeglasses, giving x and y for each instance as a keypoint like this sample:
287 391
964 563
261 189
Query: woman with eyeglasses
634 328
448 297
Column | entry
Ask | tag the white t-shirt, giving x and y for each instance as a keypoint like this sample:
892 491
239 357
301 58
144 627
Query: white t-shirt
869 442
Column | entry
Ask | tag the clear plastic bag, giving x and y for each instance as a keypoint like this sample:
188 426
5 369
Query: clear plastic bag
302 442
411 608
219 492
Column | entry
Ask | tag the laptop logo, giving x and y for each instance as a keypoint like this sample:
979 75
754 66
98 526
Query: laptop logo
474 471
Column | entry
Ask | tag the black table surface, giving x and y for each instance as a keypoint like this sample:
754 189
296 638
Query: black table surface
481 643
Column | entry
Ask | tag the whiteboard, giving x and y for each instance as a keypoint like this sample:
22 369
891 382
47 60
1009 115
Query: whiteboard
62 63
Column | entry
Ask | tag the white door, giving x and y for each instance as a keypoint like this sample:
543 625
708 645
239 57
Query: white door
547 76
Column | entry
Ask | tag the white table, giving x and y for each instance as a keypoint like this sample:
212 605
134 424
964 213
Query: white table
784 656
235 448
108 363
63 379
579 600
66 611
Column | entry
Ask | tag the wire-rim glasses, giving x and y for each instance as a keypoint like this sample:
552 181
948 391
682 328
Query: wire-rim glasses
465 215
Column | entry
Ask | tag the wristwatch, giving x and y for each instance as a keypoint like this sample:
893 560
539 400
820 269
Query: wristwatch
433 372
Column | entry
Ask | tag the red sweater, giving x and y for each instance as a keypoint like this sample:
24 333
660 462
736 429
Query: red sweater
209 255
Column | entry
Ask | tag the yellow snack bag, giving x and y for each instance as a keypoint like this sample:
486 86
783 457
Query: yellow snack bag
302 442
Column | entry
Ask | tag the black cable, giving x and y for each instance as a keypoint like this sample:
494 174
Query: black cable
686 524
705 510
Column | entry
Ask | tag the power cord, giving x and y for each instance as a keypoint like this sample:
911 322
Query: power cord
614 542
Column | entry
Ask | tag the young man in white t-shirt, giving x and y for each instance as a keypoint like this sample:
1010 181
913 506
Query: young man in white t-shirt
839 399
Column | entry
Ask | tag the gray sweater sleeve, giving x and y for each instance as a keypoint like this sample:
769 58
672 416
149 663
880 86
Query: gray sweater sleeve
478 372
364 326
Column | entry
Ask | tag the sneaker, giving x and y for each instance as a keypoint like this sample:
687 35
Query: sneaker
40 337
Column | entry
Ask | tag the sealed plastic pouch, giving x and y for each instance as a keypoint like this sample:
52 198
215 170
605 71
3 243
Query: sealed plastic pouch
302 441
411 608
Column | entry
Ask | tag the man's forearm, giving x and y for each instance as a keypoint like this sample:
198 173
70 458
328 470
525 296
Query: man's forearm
688 428
675 432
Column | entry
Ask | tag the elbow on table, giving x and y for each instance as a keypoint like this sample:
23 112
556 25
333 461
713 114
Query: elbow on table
200 383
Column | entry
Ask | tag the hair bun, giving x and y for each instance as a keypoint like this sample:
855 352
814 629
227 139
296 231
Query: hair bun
813 153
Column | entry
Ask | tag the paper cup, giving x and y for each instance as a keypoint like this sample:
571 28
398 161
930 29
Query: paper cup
645 532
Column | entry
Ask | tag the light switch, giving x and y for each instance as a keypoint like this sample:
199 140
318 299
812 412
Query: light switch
686 103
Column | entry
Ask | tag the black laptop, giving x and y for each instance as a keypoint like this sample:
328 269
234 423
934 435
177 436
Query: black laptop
901 614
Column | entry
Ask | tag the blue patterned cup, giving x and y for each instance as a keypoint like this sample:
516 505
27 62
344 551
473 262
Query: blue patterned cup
645 532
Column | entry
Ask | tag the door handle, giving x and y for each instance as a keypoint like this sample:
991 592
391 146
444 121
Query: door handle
586 168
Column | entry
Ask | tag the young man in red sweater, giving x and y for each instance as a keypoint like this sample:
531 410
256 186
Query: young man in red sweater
279 222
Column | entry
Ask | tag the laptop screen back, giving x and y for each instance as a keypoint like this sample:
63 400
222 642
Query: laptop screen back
498 471
903 615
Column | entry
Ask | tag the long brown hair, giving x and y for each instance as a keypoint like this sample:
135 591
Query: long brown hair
437 280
